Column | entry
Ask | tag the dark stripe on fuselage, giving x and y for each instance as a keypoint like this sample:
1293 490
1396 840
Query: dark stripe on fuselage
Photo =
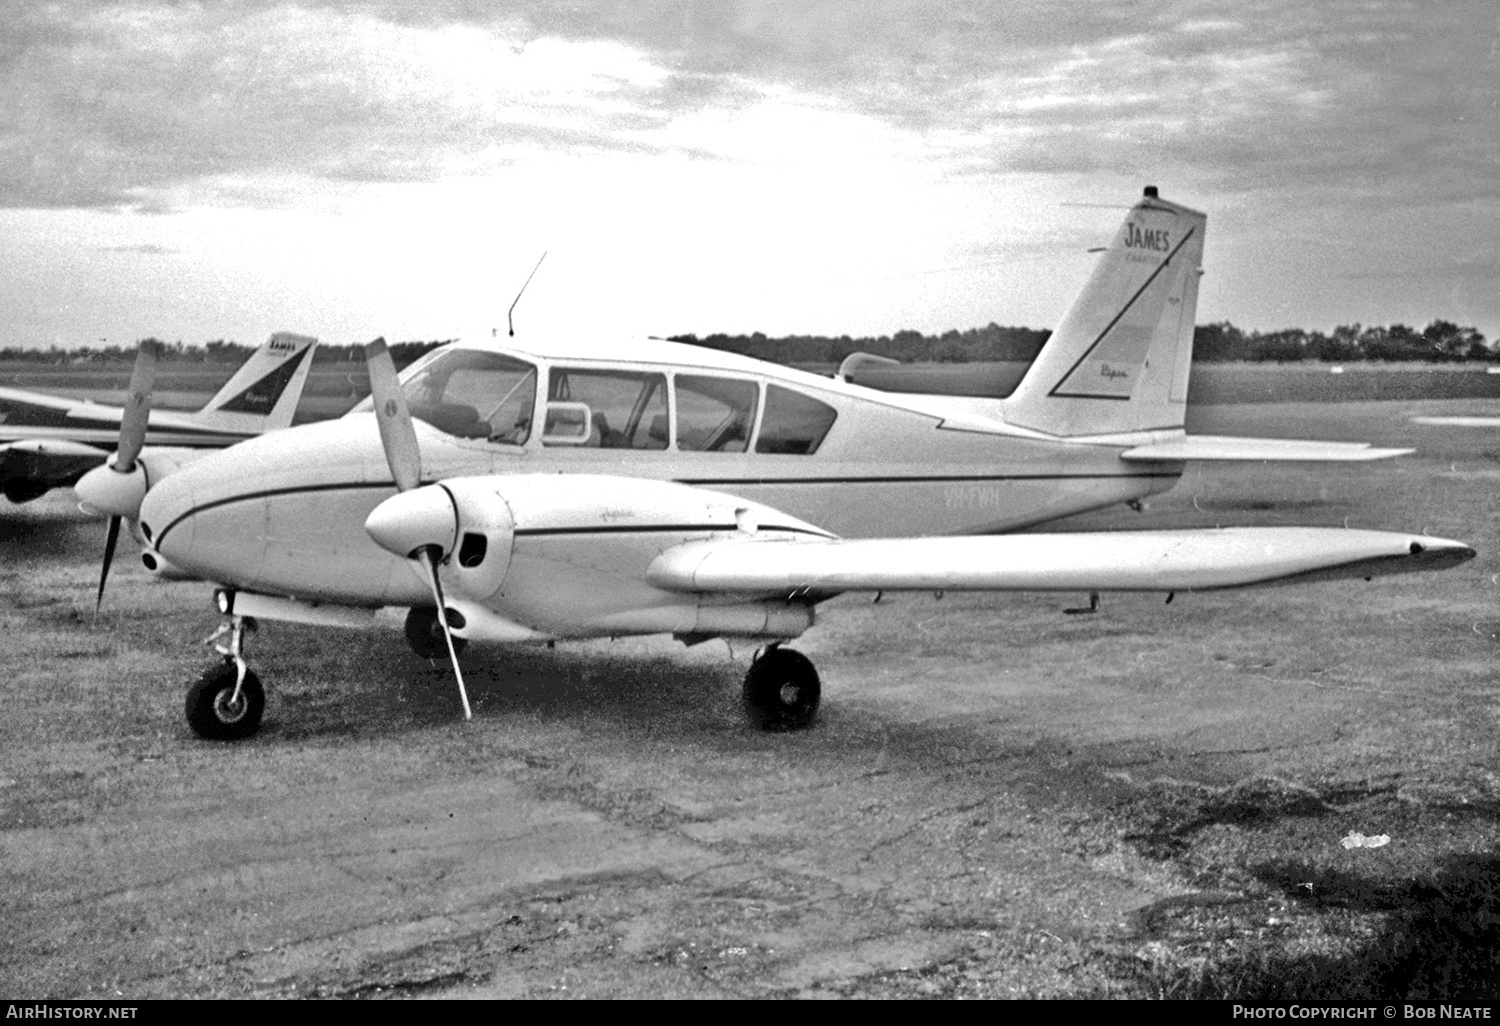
705 482
714 482
536 532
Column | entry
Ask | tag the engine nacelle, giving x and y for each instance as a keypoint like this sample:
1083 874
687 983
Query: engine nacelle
466 520
119 493
482 546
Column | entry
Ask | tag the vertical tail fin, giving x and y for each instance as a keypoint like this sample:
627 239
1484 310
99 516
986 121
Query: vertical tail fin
264 393
1119 360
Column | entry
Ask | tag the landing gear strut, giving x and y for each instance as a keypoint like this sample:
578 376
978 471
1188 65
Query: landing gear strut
782 690
227 702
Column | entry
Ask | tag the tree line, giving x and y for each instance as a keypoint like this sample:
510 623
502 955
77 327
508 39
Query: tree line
217 351
1440 341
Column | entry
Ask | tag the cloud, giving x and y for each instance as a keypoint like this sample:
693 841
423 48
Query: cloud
99 105
141 104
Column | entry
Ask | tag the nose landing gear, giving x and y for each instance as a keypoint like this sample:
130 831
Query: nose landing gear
227 702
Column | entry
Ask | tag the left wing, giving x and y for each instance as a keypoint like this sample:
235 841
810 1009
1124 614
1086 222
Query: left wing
1181 560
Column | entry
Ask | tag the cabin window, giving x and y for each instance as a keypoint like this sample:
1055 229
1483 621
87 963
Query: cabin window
714 414
626 410
793 423
470 393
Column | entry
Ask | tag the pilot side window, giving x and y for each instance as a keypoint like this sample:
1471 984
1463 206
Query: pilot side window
793 423
627 410
714 414
470 393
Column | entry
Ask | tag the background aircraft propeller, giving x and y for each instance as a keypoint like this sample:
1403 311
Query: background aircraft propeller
118 487
399 439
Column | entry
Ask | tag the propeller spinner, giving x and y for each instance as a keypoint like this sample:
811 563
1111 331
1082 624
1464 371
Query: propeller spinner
413 523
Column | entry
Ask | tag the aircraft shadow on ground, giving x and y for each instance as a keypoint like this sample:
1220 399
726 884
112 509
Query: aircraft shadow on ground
662 695
405 690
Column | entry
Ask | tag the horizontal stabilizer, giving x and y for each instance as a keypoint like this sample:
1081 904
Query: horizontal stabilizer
1226 447
1183 560
1468 422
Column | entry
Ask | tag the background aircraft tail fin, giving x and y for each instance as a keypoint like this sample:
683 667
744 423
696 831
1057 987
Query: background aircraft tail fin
1119 360
263 394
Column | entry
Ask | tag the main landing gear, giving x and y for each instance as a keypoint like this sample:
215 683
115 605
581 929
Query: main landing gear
227 702
425 635
782 690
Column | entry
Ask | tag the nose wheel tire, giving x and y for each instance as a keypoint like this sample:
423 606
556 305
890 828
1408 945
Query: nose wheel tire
213 711
425 635
782 691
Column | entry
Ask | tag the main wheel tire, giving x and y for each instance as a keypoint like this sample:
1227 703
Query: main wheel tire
425 635
212 711
782 691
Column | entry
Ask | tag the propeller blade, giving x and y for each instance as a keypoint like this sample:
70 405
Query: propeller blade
399 439
137 407
109 558
442 615
397 435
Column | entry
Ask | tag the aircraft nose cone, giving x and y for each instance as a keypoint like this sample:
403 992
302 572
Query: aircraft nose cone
413 520
105 490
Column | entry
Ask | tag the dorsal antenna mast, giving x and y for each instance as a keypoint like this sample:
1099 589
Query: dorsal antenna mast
509 323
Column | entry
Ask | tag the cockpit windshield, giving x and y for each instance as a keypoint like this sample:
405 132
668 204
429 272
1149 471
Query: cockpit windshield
471 393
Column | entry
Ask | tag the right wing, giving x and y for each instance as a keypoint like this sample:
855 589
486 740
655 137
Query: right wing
1180 560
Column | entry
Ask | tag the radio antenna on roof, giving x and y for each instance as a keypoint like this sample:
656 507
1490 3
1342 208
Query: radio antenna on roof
509 323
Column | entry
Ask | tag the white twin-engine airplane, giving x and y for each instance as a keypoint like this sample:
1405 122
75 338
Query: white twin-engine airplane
544 492
47 441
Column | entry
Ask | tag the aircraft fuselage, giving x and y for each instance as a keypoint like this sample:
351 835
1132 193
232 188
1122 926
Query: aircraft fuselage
285 513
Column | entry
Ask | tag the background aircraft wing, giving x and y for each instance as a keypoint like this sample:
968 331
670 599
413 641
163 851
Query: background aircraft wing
1180 560
1228 448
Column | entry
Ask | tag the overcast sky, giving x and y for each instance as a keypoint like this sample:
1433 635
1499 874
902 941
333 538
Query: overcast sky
226 170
